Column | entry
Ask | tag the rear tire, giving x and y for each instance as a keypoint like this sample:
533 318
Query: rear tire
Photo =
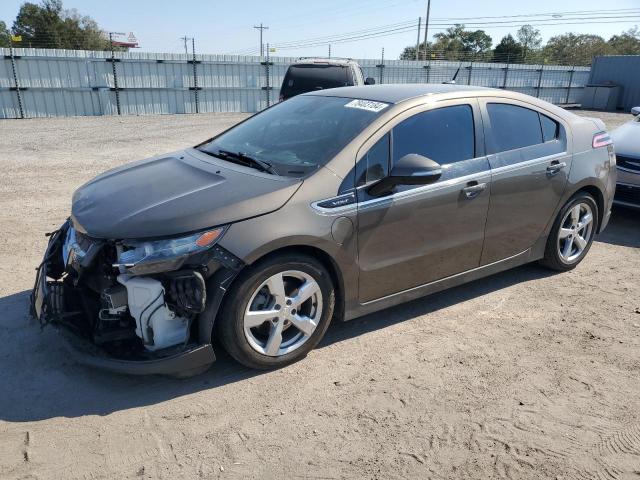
277 311
572 233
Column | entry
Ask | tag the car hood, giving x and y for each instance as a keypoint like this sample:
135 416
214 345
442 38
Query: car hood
626 139
173 194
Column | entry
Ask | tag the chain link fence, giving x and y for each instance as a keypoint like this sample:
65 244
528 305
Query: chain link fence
50 83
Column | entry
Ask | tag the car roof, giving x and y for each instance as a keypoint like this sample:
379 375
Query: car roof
324 61
390 93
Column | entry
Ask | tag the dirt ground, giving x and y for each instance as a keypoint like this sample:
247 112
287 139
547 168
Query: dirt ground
526 374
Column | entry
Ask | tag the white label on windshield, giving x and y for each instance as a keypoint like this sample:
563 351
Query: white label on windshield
369 105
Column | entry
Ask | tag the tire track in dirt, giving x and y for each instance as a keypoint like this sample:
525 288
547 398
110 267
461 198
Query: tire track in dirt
616 456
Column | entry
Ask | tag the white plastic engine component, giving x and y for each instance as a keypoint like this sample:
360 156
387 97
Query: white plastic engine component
156 325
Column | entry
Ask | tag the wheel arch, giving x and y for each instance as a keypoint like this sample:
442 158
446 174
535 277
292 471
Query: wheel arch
327 262
598 196
207 324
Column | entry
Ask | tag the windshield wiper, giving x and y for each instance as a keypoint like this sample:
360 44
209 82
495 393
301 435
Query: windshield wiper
246 160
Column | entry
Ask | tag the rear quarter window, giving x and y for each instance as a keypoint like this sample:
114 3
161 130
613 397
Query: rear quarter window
550 128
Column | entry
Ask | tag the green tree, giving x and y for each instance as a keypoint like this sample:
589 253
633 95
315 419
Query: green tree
574 49
4 35
409 53
48 25
508 51
456 43
627 43
530 41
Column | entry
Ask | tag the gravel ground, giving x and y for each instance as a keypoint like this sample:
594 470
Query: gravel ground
526 374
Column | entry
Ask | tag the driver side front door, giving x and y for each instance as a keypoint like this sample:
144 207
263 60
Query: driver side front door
420 234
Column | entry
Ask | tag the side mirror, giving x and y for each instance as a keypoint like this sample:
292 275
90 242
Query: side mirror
369 81
412 169
635 111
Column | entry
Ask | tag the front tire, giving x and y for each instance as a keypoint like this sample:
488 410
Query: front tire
572 233
277 311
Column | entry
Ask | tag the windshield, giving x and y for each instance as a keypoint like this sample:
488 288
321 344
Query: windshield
300 135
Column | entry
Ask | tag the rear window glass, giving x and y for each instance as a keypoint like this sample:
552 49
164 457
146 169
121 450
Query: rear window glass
316 77
513 127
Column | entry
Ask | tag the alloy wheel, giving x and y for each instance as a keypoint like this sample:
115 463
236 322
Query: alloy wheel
575 233
282 313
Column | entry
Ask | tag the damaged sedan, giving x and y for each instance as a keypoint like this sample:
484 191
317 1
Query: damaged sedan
330 205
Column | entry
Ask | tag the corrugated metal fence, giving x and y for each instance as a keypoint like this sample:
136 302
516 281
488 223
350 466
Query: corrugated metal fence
619 70
48 83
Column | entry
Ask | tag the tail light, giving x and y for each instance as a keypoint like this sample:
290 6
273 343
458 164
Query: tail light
601 139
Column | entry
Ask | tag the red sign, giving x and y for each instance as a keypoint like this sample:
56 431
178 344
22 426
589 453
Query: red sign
129 41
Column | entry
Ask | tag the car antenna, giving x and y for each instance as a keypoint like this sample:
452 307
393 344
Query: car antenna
453 80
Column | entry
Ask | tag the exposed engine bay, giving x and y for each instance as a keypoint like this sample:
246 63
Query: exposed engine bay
135 300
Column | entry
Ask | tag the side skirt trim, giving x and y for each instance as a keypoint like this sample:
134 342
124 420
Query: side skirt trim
529 255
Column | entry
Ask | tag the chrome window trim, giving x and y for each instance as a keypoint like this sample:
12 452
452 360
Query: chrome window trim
372 203
526 163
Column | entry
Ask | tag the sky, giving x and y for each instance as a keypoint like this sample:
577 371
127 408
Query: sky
227 27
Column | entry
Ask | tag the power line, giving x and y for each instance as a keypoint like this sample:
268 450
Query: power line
574 12
408 29
384 30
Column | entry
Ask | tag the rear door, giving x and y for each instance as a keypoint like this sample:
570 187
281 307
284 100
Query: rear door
419 234
530 162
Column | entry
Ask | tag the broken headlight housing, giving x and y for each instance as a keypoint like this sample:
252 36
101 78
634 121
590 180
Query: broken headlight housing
142 257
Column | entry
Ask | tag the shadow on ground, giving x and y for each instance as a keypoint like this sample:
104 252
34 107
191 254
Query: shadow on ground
623 228
41 381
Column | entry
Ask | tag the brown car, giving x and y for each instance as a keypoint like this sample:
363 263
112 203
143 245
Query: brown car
327 206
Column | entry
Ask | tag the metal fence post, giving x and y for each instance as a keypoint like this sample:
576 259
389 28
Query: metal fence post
470 67
115 75
570 82
195 74
268 79
506 72
15 80
267 71
380 68
539 81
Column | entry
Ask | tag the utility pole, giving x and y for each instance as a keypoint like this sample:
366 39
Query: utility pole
329 50
261 28
426 29
185 39
418 40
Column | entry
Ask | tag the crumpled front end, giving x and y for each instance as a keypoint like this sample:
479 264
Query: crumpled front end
136 307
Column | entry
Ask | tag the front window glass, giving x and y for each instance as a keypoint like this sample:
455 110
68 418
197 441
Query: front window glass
375 164
445 135
300 135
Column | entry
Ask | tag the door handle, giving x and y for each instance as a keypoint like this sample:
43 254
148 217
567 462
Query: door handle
555 167
474 188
